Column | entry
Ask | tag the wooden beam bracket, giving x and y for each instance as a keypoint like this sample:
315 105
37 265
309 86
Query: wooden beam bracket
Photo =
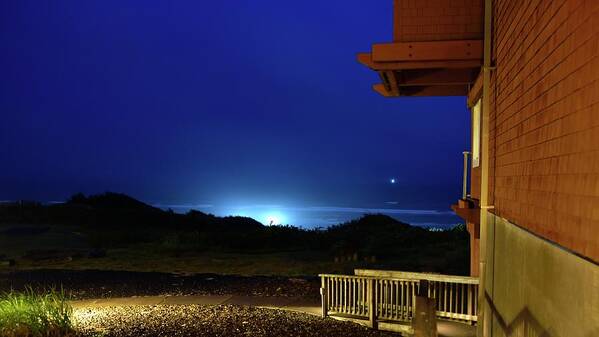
428 51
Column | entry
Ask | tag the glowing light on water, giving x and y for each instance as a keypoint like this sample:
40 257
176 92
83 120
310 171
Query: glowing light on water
272 219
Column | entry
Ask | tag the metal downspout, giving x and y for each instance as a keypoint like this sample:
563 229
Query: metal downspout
484 318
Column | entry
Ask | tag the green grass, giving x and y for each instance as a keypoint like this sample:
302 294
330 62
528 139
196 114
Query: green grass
147 257
181 252
27 314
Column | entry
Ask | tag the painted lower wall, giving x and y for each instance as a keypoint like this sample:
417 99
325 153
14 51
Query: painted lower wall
536 288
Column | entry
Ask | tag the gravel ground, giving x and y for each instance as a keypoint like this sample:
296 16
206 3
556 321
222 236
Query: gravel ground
102 284
208 321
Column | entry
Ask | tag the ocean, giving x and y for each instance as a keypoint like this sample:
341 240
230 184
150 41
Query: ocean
323 216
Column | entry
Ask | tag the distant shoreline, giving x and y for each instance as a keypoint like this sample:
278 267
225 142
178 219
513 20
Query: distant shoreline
326 216
310 217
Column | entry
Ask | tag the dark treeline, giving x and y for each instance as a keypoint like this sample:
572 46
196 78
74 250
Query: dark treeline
114 220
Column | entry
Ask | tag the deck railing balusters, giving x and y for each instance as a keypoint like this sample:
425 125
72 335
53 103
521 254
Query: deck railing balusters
393 298
445 297
451 303
402 300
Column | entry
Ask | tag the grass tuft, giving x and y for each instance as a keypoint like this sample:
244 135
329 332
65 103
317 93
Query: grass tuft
27 314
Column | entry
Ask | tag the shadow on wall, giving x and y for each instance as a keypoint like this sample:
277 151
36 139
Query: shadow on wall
523 325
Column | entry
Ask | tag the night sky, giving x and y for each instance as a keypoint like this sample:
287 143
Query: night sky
223 105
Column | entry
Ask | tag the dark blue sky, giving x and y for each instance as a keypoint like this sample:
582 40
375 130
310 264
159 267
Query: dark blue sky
219 102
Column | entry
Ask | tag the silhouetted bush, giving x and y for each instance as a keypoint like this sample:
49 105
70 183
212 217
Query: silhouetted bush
115 220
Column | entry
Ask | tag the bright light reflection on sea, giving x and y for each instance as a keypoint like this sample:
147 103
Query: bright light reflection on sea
324 216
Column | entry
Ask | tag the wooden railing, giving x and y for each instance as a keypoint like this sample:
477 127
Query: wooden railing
395 298
455 300
348 295
393 294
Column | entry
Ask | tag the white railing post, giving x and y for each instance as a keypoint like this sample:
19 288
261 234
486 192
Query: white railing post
372 305
323 294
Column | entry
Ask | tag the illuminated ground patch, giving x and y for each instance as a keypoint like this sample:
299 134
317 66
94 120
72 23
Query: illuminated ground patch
198 320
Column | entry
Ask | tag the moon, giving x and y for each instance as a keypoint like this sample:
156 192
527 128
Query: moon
392 180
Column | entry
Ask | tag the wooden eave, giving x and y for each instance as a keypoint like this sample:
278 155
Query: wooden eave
471 215
366 59
437 68
428 51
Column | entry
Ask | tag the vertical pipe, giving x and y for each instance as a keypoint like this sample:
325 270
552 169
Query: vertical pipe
483 326
465 176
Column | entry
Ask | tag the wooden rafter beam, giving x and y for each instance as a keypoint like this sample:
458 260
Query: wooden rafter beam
435 90
435 68
381 89
366 59
428 77
390 81
428 51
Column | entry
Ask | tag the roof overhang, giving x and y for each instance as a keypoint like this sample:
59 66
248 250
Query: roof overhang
432 68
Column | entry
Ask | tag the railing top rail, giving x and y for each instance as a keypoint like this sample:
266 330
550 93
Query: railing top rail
367 277
414 276
341 275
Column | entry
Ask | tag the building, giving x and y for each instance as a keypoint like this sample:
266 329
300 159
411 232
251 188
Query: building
530 70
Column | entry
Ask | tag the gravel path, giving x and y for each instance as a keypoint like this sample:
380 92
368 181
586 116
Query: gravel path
208 321
102 284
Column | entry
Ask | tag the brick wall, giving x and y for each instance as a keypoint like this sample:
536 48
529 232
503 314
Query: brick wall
433 20
545 119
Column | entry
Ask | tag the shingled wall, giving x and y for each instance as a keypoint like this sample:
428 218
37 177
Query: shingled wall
545 120
435 20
